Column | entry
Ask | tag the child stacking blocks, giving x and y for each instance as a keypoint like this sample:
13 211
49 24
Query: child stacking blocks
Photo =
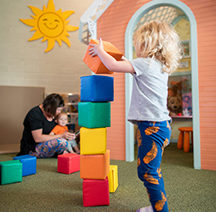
10 172
113 178
29 164
68 163
95 192
93 141
95 64
95 166
95 88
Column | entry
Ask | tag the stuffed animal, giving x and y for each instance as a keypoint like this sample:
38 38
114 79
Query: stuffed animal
174 101
175 105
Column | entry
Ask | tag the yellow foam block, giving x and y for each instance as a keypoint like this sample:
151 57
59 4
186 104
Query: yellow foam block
113 178
93 141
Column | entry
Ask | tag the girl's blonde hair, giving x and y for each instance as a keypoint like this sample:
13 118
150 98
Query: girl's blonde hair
160 41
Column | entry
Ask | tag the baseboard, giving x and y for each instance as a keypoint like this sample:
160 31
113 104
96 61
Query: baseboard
9 148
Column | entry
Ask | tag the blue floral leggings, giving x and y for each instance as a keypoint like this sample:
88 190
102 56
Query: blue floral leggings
153 138
50 148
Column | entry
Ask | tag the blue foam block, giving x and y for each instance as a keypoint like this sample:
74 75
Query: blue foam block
29 164
96 88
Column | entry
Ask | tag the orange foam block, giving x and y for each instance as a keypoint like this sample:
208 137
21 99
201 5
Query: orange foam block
95 64
95 166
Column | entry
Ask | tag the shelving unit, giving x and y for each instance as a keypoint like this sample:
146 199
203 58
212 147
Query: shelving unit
182 77
71 108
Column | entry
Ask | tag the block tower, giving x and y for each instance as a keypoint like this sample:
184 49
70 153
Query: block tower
94 118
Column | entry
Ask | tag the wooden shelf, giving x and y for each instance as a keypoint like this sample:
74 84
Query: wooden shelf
180 73
181 117
71 103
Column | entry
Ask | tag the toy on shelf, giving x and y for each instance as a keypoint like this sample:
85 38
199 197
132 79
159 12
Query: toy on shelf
174 101
187 104
95 64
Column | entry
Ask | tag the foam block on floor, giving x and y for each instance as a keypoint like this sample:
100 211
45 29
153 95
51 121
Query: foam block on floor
95 192
113 178
94 115
96 88
93 141
68 163
95 64
94 166
10 172
29 164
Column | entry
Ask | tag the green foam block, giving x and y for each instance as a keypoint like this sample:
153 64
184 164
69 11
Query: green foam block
10 172
94 114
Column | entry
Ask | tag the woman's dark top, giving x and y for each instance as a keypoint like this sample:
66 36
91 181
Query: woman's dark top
34 120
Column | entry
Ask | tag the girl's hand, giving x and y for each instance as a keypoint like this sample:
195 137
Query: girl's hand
96 48
68 136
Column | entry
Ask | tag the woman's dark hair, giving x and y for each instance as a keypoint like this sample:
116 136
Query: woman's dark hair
52 102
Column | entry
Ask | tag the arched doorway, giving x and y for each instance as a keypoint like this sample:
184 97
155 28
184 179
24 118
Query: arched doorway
194 72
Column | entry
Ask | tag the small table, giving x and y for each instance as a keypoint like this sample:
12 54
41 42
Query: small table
184 138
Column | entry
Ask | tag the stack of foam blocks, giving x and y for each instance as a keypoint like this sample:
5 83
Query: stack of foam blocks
13 171
94 118
99 177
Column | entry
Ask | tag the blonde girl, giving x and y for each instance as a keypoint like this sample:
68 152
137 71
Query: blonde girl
158 52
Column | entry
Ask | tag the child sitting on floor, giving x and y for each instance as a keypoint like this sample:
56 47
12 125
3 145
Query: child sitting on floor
62 120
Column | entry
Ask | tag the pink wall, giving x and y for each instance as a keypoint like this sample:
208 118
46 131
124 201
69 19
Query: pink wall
112 26
204 12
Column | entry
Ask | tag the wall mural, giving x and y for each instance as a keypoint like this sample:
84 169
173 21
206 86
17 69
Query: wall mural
51 25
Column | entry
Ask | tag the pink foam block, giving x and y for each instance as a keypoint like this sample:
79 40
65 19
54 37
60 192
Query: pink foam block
68 163
95 192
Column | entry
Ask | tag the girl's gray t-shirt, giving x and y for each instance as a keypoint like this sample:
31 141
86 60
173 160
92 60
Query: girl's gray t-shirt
149 94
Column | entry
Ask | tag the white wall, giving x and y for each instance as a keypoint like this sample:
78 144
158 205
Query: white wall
24 63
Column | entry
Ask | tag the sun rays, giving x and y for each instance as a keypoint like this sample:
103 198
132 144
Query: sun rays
50 25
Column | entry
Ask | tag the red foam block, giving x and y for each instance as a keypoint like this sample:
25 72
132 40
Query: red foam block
95 192
68 163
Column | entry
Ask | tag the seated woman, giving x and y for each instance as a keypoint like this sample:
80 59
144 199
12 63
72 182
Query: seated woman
38 123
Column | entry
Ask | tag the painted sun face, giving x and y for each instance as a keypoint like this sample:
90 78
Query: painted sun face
50 24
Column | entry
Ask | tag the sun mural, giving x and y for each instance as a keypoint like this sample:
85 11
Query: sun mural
50 25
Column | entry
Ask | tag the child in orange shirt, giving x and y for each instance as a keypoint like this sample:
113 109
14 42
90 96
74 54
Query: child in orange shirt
60 128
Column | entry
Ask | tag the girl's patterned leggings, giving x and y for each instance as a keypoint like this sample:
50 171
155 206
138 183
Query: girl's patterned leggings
49 148
153 138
